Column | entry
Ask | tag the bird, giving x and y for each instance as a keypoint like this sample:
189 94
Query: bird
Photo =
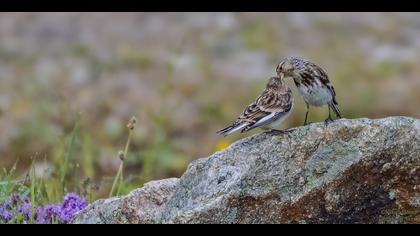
313 84
268 110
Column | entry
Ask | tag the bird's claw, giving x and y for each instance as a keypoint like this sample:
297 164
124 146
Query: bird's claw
278 132
328 121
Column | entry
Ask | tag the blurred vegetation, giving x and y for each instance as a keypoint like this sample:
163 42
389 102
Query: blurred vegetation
184 76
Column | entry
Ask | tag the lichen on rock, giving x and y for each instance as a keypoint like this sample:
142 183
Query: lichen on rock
351 171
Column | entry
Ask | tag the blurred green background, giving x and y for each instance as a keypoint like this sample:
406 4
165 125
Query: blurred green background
184 76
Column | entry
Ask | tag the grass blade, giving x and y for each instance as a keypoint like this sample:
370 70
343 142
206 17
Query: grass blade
33 184
68 154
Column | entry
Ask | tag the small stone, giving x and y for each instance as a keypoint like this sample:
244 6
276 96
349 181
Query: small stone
391 195
386 167
302 180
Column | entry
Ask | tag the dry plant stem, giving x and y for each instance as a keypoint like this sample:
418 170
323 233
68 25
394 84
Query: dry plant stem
128 142
119 177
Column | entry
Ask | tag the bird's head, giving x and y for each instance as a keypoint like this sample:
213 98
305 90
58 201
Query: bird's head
274 83
285 68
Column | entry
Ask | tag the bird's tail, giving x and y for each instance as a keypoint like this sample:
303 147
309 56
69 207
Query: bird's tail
231 128
334 107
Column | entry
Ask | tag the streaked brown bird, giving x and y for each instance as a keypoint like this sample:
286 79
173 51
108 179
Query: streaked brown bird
267 112
313 84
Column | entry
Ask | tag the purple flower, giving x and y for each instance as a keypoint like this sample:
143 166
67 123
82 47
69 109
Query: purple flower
64 212
52 213
71 205
49 214
15 199
25 209
6 216
8 203
5 211
39 216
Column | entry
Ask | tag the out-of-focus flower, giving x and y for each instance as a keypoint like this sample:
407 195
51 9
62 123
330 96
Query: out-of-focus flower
52 213
71 205
222 145
49 214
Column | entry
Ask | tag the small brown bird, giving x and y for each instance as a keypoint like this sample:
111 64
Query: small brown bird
312 82
267 111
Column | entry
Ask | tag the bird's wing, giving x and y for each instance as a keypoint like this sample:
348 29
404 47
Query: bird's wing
271 101
320 74
330 87
265 107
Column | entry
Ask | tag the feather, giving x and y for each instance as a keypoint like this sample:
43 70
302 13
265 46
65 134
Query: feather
275 100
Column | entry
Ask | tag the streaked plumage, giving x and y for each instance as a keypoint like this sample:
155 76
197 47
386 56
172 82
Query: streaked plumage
267 111
312 82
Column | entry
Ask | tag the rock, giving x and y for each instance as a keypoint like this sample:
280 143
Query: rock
352 171
141 206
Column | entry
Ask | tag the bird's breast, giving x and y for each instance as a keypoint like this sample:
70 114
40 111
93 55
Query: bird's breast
315 94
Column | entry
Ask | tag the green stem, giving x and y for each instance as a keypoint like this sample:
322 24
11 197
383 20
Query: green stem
68 154
33 189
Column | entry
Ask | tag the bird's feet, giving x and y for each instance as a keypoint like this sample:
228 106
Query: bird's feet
306 123
278 132
328 121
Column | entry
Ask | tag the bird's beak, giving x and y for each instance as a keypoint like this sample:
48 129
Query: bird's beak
281 74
